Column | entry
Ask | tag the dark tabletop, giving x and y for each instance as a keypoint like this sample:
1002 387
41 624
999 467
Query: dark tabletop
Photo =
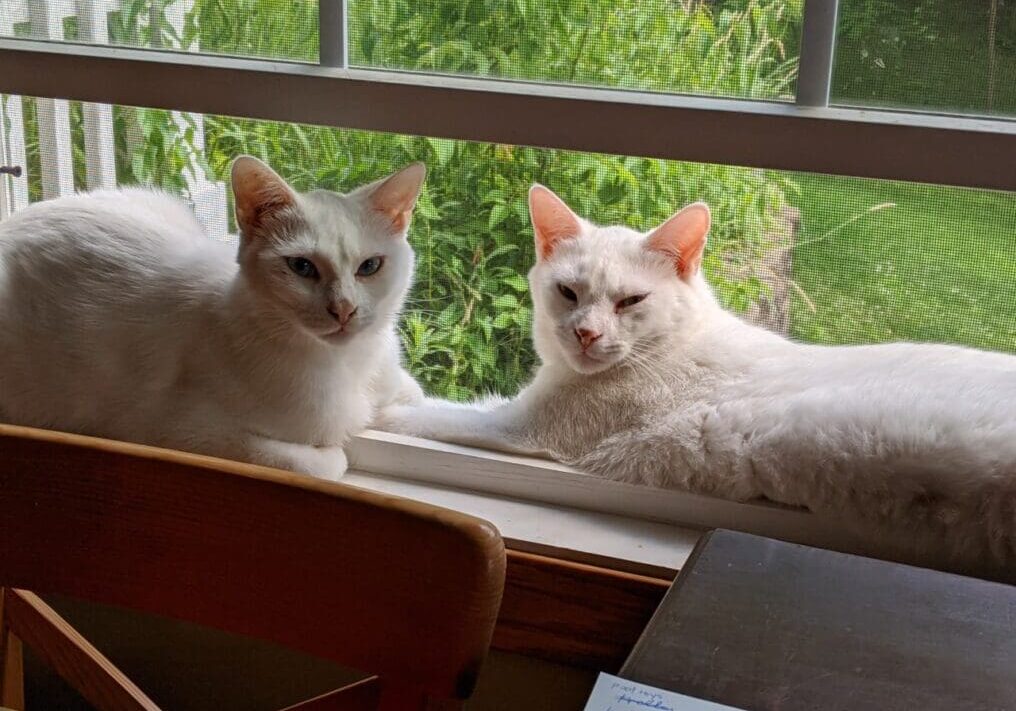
762 624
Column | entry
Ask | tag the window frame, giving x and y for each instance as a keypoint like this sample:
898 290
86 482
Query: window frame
938 148
806 135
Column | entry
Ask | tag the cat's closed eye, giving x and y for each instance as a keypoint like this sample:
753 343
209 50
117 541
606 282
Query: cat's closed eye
630 301
303 267
567 293
370 266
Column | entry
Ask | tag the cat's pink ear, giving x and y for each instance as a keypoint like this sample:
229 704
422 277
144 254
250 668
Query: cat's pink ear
395 196
553 221
682 238
260 194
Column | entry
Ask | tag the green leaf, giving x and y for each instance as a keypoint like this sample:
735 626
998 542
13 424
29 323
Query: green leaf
502 249
503 320
517 282
506 301
497 215
425 206
444 149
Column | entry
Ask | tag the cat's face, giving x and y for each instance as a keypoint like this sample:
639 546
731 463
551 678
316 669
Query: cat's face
335 265
606 295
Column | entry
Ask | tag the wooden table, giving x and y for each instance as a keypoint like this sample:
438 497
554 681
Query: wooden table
761 624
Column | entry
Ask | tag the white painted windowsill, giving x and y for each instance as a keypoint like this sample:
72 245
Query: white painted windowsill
542 506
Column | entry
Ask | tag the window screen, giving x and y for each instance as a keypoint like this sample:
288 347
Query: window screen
819 258
952 55
937 55
741 48
277 29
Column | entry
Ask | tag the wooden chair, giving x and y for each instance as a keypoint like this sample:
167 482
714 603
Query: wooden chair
397 588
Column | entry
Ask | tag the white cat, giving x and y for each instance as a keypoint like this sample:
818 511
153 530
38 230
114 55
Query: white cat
122 319
645 378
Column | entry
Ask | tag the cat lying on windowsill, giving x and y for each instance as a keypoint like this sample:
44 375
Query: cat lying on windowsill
645 378
122 319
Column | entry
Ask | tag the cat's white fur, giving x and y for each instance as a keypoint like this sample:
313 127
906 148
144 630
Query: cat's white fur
122 319
912 446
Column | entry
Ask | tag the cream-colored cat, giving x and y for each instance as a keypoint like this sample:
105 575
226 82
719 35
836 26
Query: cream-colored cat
646 378
121 319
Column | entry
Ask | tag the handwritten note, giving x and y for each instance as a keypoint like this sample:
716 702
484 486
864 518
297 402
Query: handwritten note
612 693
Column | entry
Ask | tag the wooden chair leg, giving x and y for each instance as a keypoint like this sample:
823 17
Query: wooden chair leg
362 695
12 676
70 655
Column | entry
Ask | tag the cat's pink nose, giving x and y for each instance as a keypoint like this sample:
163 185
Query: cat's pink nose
342 311
586 337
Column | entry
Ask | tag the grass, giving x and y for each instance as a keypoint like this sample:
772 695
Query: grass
939 265
931 55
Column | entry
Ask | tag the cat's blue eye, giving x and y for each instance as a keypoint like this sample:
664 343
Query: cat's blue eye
301 266
630 301
370 266
567 293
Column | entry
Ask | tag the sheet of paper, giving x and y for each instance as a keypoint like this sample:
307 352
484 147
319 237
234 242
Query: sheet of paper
612 693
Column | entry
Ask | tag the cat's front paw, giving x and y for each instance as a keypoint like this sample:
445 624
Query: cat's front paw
327 463
397 419
320 462
331 463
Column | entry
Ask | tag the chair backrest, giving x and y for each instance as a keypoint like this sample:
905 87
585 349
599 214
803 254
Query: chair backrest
393 587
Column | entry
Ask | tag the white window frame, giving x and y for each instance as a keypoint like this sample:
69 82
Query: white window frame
805 135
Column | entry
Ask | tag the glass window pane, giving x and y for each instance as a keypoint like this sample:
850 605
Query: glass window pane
880 260
819 258
282 29
938 55
742 48
739 48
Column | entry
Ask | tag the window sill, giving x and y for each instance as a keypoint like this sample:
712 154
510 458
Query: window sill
615 542
544 507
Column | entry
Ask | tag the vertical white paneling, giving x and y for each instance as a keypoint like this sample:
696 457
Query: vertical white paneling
55 152
5 194
211 208
13 191
12 12
14 152
100 147
207 197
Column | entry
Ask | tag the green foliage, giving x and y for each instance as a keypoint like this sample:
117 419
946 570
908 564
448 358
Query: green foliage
286 29
939 264
466 328
734 48
933 54
936 265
